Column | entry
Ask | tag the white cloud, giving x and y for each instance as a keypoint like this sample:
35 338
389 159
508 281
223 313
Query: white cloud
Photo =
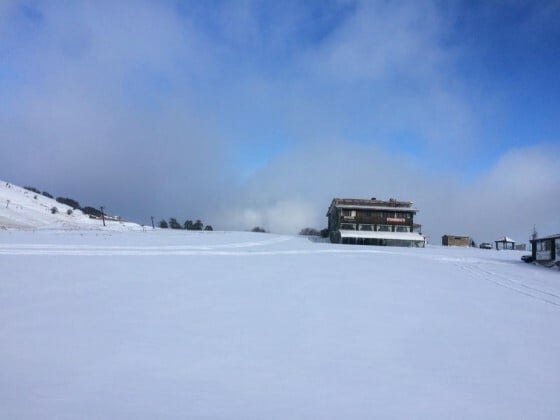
282 216
140 108
391 57
516 193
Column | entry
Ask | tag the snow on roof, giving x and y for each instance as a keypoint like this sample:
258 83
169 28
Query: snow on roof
505 239
376 207
548 237
361 201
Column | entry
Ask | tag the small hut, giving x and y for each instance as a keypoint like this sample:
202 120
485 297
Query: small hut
456 240
505 243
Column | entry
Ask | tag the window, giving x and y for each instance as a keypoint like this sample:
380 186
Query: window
403 229
366 227
384 228
544 249
347 226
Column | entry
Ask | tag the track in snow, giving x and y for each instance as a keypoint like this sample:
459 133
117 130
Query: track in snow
517 286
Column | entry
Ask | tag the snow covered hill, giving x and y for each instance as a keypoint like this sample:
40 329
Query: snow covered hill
23 209
227 325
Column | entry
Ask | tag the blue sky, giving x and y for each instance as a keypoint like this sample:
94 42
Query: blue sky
238 112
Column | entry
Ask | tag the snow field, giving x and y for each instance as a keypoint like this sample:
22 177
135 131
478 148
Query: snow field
221 325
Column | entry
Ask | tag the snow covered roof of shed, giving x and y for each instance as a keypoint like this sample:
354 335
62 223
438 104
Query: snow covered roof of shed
547 237
505 239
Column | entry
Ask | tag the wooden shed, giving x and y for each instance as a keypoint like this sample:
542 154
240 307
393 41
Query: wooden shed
455 240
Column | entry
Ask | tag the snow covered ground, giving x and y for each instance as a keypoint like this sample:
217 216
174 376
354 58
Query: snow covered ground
217 325
23 209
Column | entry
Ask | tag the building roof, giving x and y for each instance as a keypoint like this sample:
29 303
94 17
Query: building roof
547 237
505 239
372 204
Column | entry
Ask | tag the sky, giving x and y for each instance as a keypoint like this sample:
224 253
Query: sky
257 113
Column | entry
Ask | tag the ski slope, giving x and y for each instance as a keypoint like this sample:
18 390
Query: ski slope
233 325
23 209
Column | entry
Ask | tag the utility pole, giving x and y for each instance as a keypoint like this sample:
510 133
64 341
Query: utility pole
534 235
102 215
153 227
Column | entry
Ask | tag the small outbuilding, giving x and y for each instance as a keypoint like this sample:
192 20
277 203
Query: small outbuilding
456 240
505 243
546 250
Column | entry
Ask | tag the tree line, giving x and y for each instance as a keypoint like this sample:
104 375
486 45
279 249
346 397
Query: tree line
68 201
323 233
188 225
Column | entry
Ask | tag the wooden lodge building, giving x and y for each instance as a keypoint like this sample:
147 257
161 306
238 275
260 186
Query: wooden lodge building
373 222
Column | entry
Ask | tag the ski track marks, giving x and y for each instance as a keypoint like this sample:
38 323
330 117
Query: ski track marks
512 284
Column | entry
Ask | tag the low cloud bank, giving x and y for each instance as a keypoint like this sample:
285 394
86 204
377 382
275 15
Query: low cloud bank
295 191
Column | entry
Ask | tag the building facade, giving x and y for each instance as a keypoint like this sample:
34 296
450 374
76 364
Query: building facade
373 222
546 250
